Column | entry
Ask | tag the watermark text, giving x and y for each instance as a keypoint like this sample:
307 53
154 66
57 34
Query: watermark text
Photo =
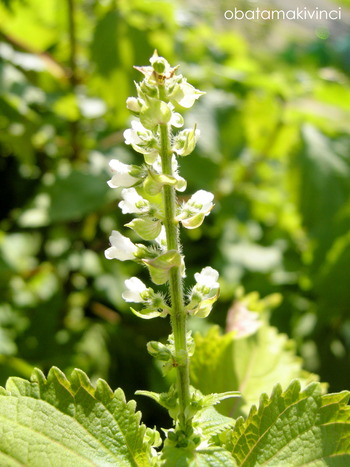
292 15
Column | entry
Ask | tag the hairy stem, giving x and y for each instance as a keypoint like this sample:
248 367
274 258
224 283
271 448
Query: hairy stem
178 315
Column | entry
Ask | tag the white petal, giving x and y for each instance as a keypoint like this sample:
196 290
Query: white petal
131 137
207 277
135 284
134 288
122 176
131 198
203 198
121 248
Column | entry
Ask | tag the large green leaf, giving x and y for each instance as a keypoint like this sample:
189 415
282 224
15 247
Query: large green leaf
294 428
56 421
251 365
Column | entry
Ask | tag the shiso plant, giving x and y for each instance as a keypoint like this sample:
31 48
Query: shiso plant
69 421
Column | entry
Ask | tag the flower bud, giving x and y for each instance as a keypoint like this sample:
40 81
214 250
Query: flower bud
133 104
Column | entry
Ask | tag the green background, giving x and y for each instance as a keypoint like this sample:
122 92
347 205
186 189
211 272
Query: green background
274 149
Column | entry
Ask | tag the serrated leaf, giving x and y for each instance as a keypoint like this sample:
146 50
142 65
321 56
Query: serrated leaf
212 422
250 365
56 421
294 428
211 457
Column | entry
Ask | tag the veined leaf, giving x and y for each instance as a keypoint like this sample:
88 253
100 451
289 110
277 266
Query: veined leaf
211 457
212 422
250 365
294 428
56 421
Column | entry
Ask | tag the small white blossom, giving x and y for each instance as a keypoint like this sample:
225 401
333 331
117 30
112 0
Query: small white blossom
121 248
185 94
133 202
201 201
207 278
134 291
122 176
132 135
197 207
142 140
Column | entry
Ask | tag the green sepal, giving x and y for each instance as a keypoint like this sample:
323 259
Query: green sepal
145 227
159 351
154 183
160 266
194 221
151 157
149 313
155 113
181 184
204 307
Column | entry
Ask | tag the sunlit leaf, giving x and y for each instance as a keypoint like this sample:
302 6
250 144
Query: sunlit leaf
294 428
69 422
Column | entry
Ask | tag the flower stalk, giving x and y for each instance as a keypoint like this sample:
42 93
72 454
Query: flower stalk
178 314
149 192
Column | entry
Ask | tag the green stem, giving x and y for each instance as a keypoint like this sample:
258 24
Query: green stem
178 314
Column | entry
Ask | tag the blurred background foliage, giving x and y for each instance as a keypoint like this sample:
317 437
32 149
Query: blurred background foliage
274 148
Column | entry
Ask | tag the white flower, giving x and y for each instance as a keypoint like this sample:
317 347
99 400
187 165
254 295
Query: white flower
132 135
133 202
122 176
201 201
134 291
121 248
207 278
197 207
185 94
142 140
